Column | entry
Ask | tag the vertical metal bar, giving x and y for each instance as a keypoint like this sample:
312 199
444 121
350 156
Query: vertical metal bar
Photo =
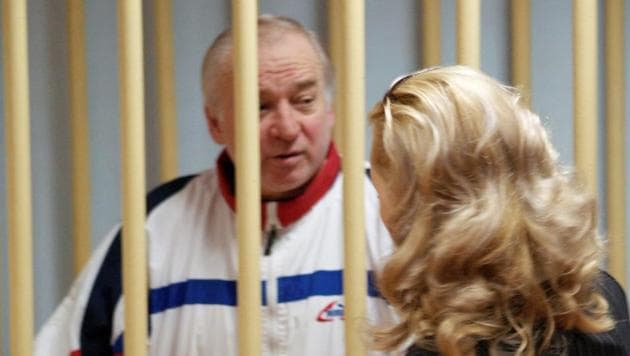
133 170
353 78
81 216
521 47
19 204
585 89
615 139
468 32
245 25
166 97
336 48
431 33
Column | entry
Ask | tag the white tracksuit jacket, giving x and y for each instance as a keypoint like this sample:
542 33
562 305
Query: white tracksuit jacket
193 267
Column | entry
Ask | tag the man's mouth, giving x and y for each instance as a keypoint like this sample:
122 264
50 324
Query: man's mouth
288 155
288 158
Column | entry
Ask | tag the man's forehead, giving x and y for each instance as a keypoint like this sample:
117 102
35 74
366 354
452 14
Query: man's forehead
291 61
268 46
289 70
299 79
299 85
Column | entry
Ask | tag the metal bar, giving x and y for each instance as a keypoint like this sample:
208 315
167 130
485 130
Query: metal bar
133 171
81 212
166 96
468 32
521 48
585 89
615 139
19 204
431 33
353 79
245 25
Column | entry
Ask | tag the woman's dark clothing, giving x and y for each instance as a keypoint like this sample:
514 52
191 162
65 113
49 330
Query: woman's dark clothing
615 342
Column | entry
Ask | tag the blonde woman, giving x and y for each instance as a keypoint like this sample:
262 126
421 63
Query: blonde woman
497 246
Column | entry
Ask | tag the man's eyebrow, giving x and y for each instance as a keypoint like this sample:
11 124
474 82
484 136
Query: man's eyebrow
298 87
305 84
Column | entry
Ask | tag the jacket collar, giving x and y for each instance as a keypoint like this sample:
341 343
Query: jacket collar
287 211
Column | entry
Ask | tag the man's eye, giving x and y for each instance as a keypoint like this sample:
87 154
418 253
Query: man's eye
305 100
263 107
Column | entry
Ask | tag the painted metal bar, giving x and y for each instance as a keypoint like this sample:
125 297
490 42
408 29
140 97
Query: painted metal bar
166 96
352 74
585 89
521 47
245 25
468 19
79 126
134 252
431 33
615 139
19 195
335 49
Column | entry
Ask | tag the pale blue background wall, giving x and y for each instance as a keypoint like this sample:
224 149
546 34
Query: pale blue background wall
392 48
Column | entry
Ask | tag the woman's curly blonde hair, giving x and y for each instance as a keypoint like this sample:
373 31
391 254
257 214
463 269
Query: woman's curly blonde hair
495 242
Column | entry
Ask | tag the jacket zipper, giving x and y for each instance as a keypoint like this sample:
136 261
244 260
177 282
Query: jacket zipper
271 230
271 238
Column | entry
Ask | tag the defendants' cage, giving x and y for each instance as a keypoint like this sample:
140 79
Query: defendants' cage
347 32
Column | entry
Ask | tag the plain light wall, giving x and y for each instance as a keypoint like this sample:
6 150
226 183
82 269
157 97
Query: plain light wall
392 48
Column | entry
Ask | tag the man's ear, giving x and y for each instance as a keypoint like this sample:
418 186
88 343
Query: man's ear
214 126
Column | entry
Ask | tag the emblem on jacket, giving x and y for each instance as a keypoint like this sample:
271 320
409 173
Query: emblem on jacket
332 311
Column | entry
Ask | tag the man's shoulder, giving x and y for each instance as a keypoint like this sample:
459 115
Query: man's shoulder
168 189
165 190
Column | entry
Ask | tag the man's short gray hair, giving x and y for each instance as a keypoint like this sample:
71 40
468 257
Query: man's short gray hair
269 28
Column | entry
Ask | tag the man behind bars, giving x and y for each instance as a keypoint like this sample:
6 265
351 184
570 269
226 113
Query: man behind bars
191 226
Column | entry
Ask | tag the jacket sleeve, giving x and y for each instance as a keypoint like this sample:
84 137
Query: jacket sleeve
72 324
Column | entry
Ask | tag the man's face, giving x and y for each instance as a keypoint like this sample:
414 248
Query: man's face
295 121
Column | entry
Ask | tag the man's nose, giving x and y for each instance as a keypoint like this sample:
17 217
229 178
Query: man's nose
285 126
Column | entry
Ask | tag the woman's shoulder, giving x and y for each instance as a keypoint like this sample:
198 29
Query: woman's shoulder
417 351
615 295
614 342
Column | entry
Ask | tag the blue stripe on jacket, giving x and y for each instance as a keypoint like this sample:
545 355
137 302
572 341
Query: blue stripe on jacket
223 292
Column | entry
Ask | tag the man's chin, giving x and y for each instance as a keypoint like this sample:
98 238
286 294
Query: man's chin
287 190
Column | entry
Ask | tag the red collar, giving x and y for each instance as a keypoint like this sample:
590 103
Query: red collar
288 211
